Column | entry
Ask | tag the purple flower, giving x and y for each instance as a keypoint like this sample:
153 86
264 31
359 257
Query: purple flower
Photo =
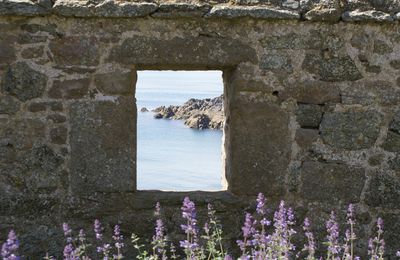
261 208
398 253
67 232
350 215
10 247
379 224
310 246
190 228
98 229
333 235
118 238
69 252
228 257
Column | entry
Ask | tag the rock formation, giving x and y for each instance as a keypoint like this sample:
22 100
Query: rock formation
198 113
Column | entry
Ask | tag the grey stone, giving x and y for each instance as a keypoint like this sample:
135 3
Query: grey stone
397 16
373 69
102 139
175 10
329 182
306 137
9 105
37 107
350 130
324 15
117 83
69 89
28 39
24 82
382 47
108 8
25 7
376 159
72 50
309 116
332 69
58 135
258 12
395 64
23 133
392 142
312 92
7 48
57 118
144 51
75 8
371 92
366 16
256 165
32 53
291 4
392 223
286 41
383 191
394 163
276 62
395 124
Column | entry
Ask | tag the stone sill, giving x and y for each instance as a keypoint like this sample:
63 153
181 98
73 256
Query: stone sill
124 9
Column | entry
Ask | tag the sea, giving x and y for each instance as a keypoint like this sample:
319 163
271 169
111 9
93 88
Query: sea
171 156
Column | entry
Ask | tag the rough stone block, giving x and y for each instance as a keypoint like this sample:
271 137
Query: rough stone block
103 146
58 135
330 182
383 191
381 47
392 142
382 93
305 137
333 69
312 92
395 64
391 222
23 82
259 12
117 83
25 7
395 124
69 89
182 53
9 105
309 116
176 10
37 107
259 149
23 133
276 62
57 118
366 16
77 8
73 50
7 49
32 53
324 15
350 130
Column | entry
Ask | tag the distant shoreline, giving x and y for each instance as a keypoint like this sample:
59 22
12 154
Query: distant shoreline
197 113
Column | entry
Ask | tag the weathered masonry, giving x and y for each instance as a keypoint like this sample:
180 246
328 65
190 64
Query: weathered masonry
312 101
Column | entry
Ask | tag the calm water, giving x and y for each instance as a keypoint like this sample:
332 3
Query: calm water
170 155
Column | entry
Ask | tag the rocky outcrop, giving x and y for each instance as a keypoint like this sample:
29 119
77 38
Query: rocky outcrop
198 113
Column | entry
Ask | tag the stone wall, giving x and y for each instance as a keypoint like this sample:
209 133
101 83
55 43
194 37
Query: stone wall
312 109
